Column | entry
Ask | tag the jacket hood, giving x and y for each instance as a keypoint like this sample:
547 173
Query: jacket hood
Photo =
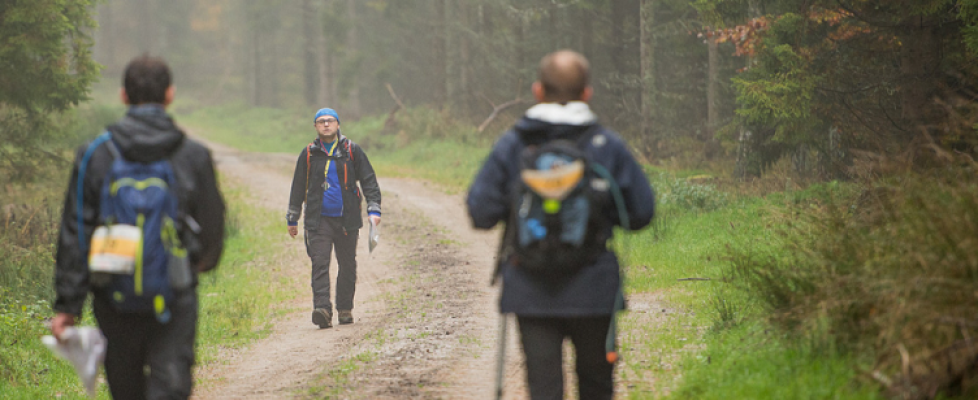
553 120
146 134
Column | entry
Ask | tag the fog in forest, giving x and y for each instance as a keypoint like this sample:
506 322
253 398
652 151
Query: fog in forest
464 57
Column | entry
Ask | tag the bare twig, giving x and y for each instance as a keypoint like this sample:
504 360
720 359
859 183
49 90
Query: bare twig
882 379
389 122
496 110
692 279
394 96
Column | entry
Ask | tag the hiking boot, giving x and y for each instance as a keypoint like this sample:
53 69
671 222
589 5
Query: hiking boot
322 317
345 317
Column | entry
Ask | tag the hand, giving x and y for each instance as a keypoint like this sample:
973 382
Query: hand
60 322
375 219
293 230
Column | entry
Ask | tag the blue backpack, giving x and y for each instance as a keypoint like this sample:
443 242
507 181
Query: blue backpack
558 222
135 254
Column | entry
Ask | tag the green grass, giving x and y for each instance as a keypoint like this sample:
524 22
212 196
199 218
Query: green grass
250 129
754 362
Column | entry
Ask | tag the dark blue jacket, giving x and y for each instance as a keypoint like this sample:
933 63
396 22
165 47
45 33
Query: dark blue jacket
592 291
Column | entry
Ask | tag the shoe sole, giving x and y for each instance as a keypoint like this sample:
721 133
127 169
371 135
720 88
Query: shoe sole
319 318
345 321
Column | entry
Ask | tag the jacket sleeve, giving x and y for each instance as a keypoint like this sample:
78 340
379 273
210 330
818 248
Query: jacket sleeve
208 210
297 195
71 282
635 188
368 180
487 200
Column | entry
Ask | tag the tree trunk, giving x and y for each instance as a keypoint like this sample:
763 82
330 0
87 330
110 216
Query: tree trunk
520 54
451 53
712 92
647 66
439 43
746 142
552 27
353 44
619 14
920 58
586 43
310 43
464 59
713 71
326 89
255 61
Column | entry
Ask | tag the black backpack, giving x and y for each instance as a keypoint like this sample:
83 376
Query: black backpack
558 223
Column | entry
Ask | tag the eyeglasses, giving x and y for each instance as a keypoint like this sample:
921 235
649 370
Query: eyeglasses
326 121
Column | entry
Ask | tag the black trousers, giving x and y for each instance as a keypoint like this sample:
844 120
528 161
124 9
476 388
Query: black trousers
543 339
319 244
146 359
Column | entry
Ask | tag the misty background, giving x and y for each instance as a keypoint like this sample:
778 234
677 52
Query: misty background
728 85
462 56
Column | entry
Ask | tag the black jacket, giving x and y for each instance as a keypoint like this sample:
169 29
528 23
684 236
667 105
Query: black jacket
592 290
145 134
352 165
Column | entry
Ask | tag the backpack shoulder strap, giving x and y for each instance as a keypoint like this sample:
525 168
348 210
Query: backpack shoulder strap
80 185
349 151
308 163
584 137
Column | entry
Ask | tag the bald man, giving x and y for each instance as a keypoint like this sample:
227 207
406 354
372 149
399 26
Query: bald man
580 306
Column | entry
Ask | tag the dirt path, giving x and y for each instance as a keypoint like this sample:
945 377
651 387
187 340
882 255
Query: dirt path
426 324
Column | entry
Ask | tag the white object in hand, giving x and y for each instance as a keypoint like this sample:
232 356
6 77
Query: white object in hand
373 236
84 347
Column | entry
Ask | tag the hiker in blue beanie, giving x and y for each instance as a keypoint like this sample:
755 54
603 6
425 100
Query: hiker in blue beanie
325 179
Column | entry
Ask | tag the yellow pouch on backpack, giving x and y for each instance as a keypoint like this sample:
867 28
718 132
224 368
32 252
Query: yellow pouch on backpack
556 183
114 249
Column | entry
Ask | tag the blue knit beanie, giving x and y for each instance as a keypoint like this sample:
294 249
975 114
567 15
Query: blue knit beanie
327 111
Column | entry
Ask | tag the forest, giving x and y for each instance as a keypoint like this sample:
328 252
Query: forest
844 131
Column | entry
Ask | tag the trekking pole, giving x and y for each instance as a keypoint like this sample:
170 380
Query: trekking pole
611 351
501 357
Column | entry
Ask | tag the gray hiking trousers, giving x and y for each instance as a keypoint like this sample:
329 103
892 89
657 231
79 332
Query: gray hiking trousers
319 244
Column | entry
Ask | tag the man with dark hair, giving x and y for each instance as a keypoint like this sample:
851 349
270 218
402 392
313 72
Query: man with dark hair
326 177
554 302
149 355
147 80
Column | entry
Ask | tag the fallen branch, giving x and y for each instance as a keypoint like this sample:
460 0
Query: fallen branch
389 122
692 279
496 110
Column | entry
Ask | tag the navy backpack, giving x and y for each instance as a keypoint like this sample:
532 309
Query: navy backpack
135 254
